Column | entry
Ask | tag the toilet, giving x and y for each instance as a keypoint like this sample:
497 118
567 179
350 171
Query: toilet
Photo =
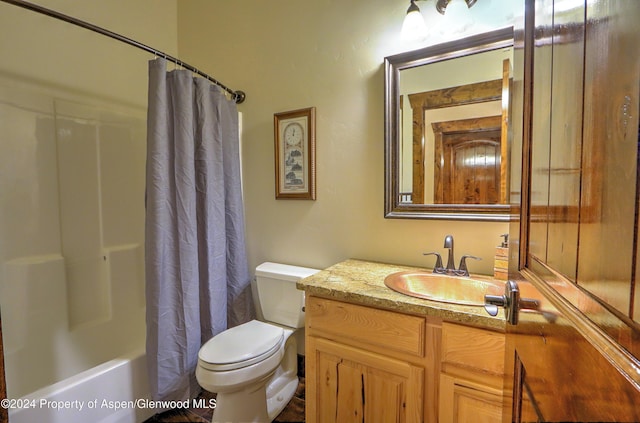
253 367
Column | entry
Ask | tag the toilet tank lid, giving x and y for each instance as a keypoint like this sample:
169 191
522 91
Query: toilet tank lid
284 271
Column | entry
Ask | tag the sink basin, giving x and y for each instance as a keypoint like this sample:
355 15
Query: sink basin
443 288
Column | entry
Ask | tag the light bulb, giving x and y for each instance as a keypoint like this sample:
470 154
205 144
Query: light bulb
457 16
413 27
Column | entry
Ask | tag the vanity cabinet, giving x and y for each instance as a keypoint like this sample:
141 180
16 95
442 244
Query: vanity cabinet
373 365
471 378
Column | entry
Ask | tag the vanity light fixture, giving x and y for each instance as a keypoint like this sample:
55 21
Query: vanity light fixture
441 5
414 27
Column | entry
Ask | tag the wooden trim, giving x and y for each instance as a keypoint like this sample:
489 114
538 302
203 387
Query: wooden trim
433 368
518 391
527 43
479 92
310 371
504 144
481 124
555 214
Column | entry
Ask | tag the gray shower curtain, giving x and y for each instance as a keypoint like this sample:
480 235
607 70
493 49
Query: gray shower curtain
197 276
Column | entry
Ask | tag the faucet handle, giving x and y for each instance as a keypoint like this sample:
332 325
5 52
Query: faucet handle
462 269
438 267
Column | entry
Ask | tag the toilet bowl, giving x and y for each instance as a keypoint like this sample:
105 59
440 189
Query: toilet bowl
253 367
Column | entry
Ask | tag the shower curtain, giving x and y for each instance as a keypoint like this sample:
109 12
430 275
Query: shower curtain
197 276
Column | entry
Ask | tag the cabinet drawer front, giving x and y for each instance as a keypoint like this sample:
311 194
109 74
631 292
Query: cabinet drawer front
474 348
381 328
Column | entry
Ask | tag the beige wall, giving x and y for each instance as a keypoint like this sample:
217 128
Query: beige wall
38 48
288 54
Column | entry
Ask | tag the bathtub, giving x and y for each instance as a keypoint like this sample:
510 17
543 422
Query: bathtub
115 391
72 253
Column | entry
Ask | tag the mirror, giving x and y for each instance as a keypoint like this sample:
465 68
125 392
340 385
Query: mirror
447 130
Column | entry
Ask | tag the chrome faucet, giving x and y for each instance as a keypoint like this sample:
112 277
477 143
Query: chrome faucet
451 267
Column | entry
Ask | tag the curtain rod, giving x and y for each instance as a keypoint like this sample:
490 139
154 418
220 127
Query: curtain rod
238 96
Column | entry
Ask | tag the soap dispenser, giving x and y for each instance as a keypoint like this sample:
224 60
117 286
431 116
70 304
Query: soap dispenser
501 264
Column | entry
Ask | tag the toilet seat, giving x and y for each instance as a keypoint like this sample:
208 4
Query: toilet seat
241 346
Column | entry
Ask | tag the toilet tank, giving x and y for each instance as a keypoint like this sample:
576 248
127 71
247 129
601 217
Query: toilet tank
279 299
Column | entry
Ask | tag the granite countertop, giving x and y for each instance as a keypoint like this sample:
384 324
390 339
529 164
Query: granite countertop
362 282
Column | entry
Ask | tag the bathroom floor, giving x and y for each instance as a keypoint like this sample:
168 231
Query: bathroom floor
293 412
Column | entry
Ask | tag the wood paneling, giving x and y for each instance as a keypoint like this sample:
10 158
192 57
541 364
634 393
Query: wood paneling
612 84
584 146
541 132
565 139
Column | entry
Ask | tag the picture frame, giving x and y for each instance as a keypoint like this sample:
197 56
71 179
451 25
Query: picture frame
295 154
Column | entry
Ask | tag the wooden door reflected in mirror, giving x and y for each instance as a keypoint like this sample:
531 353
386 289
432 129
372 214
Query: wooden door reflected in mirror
467 164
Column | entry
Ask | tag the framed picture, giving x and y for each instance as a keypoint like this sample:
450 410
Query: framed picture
295 148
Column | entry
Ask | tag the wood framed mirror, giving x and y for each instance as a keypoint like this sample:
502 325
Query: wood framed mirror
441 161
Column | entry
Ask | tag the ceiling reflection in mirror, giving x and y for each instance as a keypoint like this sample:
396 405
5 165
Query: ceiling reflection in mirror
447 130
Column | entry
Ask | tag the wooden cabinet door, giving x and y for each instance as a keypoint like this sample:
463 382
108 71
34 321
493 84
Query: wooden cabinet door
353 385
465 401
